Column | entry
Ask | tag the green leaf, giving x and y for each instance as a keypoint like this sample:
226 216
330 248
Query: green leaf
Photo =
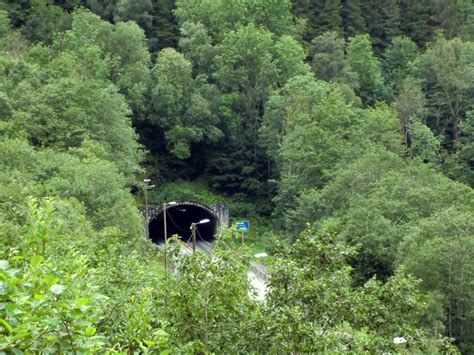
149 343
36 260
10 307
51 279
90 331
81 301
6 325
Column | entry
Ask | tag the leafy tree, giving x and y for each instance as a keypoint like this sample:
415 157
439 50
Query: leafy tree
86 111
52 284
198 48
365 65
380 127
46 307
222 16
306 129
117 53
439 250
208 301
154 17
17 11
423 142
466 10
466 150
5 28
130 63
289 58
387 196
328 57
449 16
448 85
398 57
250 66
411 109
44 20
180 109
312 306
246 66
329 18
137 10
103 8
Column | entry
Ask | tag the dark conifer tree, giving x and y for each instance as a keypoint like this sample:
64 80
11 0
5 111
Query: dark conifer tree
165 29
329 17
415 21
320 16
383 22
352 16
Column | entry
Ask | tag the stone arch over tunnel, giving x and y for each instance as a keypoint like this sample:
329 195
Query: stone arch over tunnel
178 221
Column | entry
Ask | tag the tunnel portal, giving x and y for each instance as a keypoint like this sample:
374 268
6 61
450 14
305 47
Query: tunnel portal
178 221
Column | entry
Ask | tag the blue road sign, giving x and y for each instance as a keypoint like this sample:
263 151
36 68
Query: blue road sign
243 226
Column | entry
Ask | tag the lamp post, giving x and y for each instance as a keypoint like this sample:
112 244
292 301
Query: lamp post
193 231
146 186
165 205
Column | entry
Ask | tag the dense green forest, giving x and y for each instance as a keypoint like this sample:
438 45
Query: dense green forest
344 128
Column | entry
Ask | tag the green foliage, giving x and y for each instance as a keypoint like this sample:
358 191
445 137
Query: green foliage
366 66
401 52
137 10
207 301
180 109
383 22
236 103
197 47
439 250
353 20
116 52
237 69
309 128
463 170
319 16
184 191
45 307
55 108
424 144
448 83
328 58
221 16
392 202
312 305
415 20
68 287
44 21
411 106
381 203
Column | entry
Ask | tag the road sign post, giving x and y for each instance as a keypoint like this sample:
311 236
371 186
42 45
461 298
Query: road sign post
244 227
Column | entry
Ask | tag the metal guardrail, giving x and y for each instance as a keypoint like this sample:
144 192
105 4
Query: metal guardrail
258 269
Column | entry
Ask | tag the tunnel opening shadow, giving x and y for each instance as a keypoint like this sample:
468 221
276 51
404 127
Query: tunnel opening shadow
178 221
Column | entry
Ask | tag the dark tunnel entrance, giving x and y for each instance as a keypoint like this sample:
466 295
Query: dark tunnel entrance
178 221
